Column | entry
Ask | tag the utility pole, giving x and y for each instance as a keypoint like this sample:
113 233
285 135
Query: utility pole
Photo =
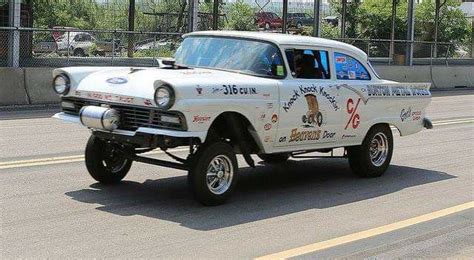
285 16
392 33
131 27
343 18
410 32
215 15
14 16
317 19
193 15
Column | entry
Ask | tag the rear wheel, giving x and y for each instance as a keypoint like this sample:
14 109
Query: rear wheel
274 157
372 158
79 53
213 173
105 162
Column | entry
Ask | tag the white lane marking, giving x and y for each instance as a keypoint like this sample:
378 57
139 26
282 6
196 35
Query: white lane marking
60 160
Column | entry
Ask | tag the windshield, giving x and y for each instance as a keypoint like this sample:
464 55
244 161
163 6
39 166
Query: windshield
244 56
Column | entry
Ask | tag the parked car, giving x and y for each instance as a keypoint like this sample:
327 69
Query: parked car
151 44
227 93
80 44
332 20
45 45
298 20
268 20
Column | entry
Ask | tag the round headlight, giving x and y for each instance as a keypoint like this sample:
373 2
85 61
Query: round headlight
164 97
61 84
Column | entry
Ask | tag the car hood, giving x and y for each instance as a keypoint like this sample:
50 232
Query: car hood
140 82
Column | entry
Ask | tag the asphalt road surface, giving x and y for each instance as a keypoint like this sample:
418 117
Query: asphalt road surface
304 209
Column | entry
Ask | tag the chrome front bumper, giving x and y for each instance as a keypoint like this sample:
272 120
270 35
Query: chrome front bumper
140 130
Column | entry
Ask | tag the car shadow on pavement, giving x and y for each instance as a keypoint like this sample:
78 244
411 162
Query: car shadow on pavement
262 193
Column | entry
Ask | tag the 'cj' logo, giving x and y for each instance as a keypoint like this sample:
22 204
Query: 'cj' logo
117 80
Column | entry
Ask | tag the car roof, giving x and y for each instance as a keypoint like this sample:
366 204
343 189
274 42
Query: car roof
285 39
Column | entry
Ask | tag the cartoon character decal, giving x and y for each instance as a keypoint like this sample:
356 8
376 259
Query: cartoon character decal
313 116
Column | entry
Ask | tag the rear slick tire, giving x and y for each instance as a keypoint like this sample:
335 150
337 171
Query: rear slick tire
372 158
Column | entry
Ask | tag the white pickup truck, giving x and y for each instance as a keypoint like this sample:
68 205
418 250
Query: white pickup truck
228 93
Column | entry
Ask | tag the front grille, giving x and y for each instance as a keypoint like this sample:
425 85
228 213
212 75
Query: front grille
131 117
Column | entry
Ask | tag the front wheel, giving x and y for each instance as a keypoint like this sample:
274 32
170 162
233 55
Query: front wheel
372 158
213 173
105 162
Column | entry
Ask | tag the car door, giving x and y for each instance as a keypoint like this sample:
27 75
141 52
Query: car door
310 108
353 77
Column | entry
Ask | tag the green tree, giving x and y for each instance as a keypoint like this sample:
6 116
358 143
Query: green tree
241 17
373 20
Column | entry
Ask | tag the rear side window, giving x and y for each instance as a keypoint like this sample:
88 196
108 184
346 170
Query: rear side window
349 68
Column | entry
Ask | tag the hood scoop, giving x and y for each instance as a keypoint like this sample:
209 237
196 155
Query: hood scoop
169 63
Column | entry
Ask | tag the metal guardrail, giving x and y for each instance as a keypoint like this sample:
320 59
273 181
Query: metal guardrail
38 48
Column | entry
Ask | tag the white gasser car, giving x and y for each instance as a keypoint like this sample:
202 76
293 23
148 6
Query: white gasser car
228 93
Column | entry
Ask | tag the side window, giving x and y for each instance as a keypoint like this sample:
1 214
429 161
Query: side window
87 38
308 64
349 68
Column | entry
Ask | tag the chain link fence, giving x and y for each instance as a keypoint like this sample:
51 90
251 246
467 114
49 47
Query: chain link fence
65 47
59 48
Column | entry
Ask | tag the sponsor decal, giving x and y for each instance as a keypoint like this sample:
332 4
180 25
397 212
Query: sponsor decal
267 127
352 74
397 91
262 116
268 139
282 139
287 105
147 102
345 136
340 59
420 92
117 80
110 97
329 97
269 105
407 114
266 94
401 91
328 135
234 90
201 119
354 118
274 118
416 115
199 90
378 91
315 90
304 135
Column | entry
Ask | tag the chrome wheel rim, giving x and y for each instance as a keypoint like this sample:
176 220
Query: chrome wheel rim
220 173
378 149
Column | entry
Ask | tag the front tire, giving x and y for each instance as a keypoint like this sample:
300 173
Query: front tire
372 158
213 173
105 162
